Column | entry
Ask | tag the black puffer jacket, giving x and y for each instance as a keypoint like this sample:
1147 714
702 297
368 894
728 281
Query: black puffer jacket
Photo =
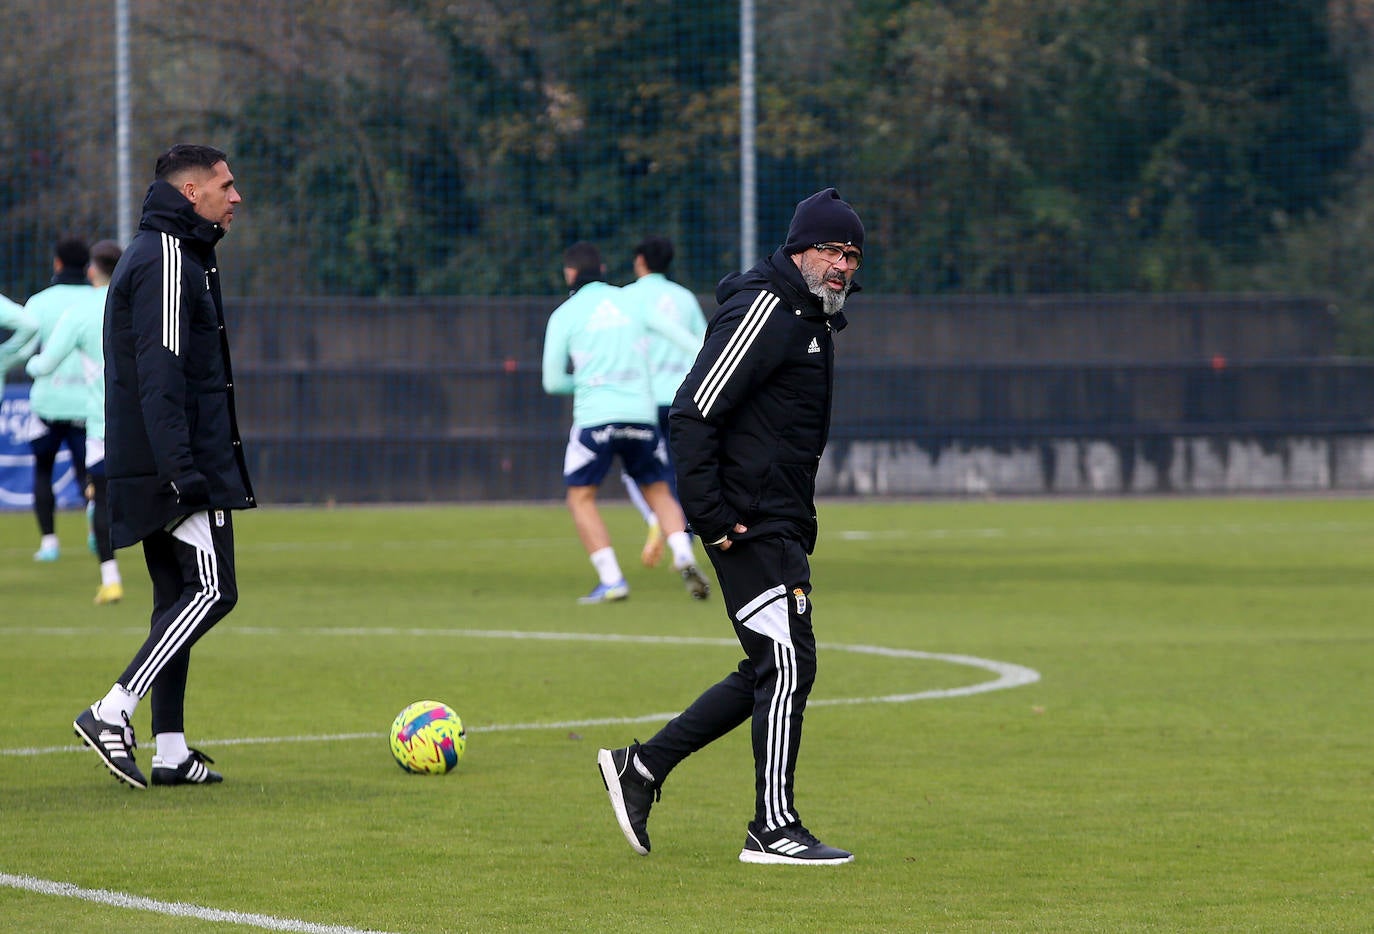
752 417
171 436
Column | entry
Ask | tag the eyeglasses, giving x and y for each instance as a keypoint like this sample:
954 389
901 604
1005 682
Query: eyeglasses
833 253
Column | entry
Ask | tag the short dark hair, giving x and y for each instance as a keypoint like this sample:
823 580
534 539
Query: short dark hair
185 156
105 255
72 253
657 253
584 258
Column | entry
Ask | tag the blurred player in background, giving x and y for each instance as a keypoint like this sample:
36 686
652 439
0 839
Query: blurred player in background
57 399
613 416
174 462
749 425
79 334
670 309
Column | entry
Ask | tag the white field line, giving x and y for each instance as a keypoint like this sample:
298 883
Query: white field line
175 909
1008 676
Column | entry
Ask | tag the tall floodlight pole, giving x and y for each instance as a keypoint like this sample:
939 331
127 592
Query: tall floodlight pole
748 183
123 168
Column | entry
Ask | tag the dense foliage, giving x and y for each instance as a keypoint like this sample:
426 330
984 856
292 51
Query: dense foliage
397 147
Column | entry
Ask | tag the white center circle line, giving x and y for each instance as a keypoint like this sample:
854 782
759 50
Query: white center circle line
1009 676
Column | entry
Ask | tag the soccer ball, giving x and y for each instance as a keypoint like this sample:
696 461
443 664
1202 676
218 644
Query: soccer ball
428 738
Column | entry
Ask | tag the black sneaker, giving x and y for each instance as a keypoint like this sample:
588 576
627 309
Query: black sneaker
190 772
791 845
113 743
631 794
695 582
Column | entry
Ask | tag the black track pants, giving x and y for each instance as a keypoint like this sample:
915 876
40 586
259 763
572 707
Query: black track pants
45 449
194 587
766 584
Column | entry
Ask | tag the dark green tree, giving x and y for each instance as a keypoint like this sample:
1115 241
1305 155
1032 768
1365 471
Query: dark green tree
1070 145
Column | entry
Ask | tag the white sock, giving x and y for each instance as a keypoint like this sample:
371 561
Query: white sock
607 568
681 545
109 572
171 748
116 705
48 541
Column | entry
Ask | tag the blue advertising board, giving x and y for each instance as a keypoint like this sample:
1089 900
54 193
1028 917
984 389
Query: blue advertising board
17 426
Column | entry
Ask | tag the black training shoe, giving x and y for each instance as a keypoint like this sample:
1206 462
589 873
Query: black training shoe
190 772
114 743
631 794
695 582
791 845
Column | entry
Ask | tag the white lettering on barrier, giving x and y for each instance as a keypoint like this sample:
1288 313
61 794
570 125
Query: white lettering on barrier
1291 463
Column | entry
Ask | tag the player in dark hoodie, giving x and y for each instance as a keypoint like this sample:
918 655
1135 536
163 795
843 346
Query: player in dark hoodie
174 462
747 428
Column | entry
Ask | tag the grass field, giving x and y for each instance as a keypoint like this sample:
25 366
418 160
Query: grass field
1196 755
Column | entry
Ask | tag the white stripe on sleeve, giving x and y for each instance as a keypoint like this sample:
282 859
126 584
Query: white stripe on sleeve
735 349
171 294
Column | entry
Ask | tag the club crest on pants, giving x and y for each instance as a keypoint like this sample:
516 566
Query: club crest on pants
800 597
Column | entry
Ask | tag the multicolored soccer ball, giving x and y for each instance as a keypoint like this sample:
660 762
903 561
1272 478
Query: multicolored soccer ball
428 738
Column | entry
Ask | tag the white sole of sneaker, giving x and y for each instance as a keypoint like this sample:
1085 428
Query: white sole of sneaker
611 779
777 859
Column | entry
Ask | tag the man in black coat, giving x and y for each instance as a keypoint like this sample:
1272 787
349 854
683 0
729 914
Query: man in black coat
747 428
174 462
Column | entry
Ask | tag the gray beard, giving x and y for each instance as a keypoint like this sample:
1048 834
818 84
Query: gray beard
831 301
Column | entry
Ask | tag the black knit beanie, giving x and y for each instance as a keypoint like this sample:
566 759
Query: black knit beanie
823 218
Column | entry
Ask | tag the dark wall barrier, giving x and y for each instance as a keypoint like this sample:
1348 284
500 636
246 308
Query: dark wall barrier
884 328
440 400
992 401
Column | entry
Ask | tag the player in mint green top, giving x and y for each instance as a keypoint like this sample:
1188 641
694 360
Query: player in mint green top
677 326
595 349
671 309
61 394
79 336
59 398
606 345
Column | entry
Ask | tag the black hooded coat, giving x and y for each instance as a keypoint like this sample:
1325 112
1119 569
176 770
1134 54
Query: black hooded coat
172 443
752 417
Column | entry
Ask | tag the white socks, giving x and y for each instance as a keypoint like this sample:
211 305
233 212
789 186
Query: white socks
119 703
681 545
109 572
607 568
171 748
116 705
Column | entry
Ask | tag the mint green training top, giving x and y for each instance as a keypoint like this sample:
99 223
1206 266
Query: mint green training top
677 325
78 336
62 394
606 344
13 318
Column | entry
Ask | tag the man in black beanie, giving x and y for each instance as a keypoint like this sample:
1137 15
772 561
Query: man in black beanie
747 430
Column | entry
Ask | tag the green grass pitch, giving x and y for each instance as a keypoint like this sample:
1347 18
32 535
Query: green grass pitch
1196 755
